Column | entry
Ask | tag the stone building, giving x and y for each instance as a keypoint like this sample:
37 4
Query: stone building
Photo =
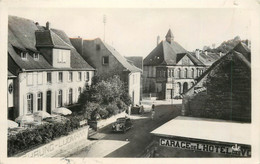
108 62
50 73
224 90
169 70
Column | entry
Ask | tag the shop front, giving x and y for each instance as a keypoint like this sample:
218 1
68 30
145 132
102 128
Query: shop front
197 137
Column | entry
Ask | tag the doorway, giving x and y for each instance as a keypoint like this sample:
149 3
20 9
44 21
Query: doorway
48 102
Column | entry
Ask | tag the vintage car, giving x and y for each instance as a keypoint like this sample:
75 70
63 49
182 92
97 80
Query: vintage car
122 124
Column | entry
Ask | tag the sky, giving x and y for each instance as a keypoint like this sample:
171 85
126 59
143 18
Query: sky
134 31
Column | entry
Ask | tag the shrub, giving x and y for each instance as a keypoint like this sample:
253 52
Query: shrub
90 109
103 113
42 134
112 109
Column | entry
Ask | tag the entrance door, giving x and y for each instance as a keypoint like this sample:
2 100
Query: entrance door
48 102
185 87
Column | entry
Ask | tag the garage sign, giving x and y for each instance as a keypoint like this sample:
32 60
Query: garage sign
235 150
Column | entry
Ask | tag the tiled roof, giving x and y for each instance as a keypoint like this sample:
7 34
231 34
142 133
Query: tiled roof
169 54
22 36
239 52
122 60
48 38
207 59
136 60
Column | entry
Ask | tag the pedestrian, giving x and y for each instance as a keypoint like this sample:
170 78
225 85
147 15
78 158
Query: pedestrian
153 111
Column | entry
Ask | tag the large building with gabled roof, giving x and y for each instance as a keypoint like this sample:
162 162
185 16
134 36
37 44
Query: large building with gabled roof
170 70
108 62
49 72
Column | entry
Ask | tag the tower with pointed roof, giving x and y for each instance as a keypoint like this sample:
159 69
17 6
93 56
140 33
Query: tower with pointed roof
169 36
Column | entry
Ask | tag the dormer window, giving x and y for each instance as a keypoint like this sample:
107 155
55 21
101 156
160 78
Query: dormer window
36 56
24 55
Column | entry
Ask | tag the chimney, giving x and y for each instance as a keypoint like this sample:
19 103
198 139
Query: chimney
197 53
36 23
158 39
248 43
47 25
206 53
220 54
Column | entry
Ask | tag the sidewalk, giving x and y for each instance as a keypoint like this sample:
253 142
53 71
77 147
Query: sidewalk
148 100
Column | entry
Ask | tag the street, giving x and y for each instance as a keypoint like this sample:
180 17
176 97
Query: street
134 141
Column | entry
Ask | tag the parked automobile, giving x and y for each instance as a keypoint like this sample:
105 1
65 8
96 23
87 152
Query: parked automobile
122 124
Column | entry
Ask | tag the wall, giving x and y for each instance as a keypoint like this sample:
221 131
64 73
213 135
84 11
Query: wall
94 58
54 87
61 147
134 86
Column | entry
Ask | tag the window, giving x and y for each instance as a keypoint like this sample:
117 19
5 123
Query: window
70 96
169 73
39 78
29 103
186 73
48 77
62 56
105 60
79 92
10 88
87 76
98 47
23 55
60 98
173 73
70 76
79 76
60 77
30 79
179 73
39 101
36 56
192 73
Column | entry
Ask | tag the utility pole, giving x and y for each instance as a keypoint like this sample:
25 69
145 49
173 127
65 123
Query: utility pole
104 21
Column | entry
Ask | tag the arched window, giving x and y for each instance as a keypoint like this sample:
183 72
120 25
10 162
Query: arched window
185 87
179 73
178 88
29 103
39 101
186 73
192 83
60 98
70 95
192 73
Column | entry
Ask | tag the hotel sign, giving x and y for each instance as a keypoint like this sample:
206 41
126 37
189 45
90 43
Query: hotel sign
199 89
235 150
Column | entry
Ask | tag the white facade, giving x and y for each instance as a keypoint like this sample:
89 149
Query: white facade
33 87
134 87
